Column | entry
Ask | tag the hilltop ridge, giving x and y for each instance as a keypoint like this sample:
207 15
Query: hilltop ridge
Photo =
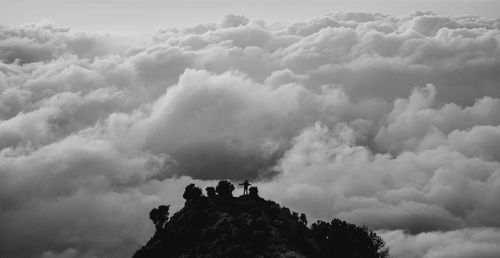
220 225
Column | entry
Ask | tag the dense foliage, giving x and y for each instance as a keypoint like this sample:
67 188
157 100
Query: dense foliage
219 225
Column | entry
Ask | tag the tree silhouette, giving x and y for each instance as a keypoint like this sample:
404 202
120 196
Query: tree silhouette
253 191
159 216
342 239
192 193
211 192
224 189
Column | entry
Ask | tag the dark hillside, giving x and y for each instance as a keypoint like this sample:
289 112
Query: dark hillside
219 225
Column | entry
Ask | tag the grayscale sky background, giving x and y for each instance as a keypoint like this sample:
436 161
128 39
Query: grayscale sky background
146 16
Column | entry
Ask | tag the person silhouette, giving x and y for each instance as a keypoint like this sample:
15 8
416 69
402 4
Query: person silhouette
245 187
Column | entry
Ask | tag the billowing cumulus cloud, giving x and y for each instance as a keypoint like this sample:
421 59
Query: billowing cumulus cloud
470 242
436 188
386 121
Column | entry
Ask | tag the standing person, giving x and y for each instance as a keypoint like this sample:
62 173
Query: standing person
245 187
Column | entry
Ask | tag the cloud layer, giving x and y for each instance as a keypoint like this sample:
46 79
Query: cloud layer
387 121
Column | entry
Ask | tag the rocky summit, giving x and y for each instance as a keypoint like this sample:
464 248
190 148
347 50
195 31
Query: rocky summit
220 225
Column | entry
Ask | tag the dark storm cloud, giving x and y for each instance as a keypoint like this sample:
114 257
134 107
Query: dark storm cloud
388 121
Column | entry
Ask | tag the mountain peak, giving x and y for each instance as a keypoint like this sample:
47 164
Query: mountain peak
220 225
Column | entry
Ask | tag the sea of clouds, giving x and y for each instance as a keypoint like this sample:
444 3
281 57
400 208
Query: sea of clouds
392 122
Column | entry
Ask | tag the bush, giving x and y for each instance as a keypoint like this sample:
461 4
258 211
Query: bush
253 191
341 239
192 193
159 216
211 192
225 189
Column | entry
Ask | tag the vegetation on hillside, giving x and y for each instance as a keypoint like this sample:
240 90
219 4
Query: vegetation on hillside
220 225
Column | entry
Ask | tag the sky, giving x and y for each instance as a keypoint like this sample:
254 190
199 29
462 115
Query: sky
387 118
147 16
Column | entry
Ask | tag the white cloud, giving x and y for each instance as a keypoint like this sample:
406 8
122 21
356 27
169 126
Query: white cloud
436 188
